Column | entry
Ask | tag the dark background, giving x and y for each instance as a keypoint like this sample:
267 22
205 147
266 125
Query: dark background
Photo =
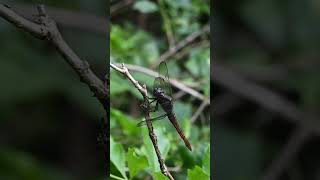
266 89
49 120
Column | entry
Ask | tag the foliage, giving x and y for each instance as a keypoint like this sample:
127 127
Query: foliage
132 44
145 6
39 95
141 158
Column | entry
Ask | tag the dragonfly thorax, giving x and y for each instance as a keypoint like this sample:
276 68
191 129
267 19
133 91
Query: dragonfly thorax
157 92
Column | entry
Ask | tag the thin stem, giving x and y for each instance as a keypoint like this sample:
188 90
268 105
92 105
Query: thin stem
48 30
174 82
167 24
143 90
180 45
198 112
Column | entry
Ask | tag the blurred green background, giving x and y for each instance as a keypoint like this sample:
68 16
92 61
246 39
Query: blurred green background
49 121
273 45
141 31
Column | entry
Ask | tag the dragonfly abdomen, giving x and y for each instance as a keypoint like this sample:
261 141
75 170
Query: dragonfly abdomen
173 119
165 103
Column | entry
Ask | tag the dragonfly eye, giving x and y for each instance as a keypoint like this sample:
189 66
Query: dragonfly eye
157 91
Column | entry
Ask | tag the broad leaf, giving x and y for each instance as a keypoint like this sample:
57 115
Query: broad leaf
159 176
117 156
206 161
197 173
145 6
149 151
135 163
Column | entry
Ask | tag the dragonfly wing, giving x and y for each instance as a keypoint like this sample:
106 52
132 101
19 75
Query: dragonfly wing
158 83
163 73
142 123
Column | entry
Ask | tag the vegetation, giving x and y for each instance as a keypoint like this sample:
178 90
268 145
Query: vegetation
139 35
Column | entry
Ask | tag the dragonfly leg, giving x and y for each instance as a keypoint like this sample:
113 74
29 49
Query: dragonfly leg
146 107
155 108
158 118
153 100
141 123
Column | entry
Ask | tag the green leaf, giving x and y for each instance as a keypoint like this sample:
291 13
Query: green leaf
149 151
159 176
206 161
199 62
145 6
118 85
197 173
118 156
182 110
135 163
128 124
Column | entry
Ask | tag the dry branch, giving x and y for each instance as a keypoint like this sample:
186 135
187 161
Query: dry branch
143 90
263 97
68 18
47 29
198 112
181 44
115 9
174 82
273 102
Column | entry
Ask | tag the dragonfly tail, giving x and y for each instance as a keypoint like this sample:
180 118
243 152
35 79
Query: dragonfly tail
173 120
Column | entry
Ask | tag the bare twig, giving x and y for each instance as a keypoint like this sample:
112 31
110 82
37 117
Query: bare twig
124 70
179 94
114 10
67 18
198 112
185 51
263 97
20 22
167 25
143 90
275 72
47 29
174 82
275 103
189 39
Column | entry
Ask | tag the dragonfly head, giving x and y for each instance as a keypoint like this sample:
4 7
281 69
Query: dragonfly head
157 91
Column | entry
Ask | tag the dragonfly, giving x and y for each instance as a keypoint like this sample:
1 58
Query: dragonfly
162 94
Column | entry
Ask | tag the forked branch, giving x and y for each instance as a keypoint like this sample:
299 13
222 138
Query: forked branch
143 90
47 29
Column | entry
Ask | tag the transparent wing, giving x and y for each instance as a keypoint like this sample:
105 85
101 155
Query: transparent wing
142 123
158 83
165 82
